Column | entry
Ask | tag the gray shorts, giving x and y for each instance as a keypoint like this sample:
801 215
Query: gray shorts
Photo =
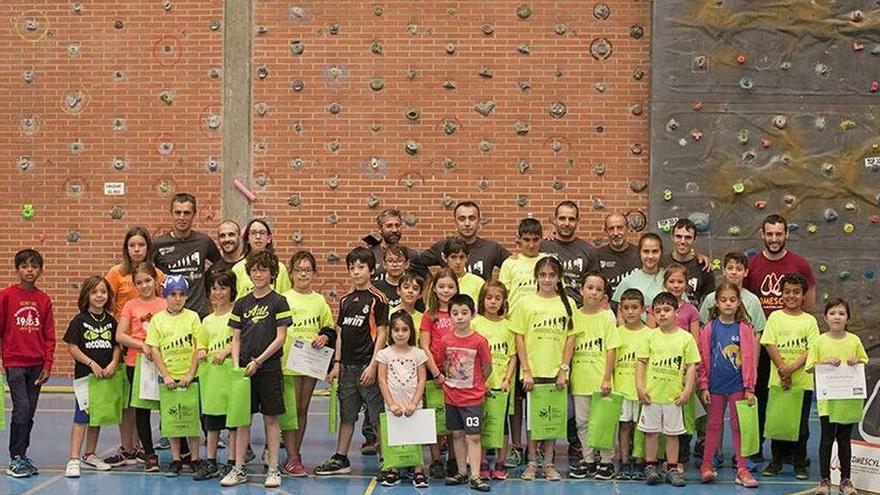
467 418
353 395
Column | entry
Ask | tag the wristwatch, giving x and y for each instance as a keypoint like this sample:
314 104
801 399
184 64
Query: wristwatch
564 367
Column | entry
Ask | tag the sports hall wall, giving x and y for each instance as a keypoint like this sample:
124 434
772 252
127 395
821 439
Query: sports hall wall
349 107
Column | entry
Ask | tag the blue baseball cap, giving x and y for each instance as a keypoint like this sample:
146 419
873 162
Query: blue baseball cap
173 283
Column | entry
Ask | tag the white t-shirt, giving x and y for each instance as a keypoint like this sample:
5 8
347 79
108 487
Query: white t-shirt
403 372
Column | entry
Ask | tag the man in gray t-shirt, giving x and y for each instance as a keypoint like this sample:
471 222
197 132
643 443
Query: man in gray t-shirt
577 256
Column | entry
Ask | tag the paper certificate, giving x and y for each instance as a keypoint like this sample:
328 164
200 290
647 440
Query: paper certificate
840 382
418 429
306 360
149 380
81 391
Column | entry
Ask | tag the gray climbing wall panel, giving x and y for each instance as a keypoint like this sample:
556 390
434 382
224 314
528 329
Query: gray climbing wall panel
772 107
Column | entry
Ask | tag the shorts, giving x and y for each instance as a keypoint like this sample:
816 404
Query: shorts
353 395
629 411
266 393
467 418
518 391
667 419
80 417
211 422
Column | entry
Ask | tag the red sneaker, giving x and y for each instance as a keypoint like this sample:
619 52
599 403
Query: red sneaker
294 467
500 472
707 474
485 474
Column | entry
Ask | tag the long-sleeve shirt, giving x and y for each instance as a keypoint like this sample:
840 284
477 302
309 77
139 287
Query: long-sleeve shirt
27 328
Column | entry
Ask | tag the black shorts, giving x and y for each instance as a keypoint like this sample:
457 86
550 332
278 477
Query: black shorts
469 419
129 372
211 422
266 393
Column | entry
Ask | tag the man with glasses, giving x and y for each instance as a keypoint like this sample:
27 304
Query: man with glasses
390 225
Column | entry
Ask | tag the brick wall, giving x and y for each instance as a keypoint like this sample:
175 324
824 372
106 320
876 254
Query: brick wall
298 144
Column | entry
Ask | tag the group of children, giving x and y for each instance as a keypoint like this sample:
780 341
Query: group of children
514 338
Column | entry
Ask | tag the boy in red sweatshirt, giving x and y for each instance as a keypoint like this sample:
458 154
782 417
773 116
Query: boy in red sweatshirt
27 338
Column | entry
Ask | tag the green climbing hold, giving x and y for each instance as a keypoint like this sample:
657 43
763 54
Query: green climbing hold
823 268
811 228
734 231
844 275
667 194
739 188
27 211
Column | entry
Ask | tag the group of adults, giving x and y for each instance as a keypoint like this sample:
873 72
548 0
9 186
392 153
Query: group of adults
184 251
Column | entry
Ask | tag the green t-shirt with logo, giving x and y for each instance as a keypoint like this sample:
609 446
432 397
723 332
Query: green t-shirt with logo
518 275
244 285
792 336
627 355
502 345
596 335
175 336
543 322
668 355
829 348
310 313
471 285
215 335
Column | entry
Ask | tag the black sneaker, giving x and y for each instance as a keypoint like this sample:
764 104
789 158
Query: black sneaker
335 464
174 469
577 470
590 469
419 480
801 473
638 471
119 458
436 470
772 469
605 471
369 447
186 462
224 469
451 468
162 444
206 470
479 484
456 479
390 477
152 464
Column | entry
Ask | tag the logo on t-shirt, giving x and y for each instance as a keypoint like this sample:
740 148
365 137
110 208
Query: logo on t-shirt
27 317
590 345
476 268
189 263
97 337
770 285
256 313
667 366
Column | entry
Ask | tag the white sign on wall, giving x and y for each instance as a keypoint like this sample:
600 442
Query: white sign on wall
114 189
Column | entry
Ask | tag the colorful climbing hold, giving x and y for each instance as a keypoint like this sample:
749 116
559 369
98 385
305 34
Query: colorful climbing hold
849 228
667 195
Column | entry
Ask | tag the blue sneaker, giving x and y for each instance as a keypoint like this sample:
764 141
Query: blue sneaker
30 465
18 468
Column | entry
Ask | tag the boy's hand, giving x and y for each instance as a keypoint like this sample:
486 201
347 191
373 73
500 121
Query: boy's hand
110 370
440 380
852 361
606 388
185 381
219 357
528 381
202 354
334 373
705 396
169 382
505 385
368 377
320 341
786 383
96 370
644 398
682 398
835 361
750 398
251 367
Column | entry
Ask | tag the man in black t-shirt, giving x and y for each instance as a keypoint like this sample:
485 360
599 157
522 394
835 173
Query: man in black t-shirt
183 251
390 225
484 255
577 256
700 281
617 258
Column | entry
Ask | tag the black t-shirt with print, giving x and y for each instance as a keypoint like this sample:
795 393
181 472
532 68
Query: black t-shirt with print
616 265
578 258
95 337
699 282
187 257
258 320
361 313
483 257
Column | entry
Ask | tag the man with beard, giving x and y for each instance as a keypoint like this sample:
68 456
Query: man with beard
231 252
617 258
183 251
484 255
700 280
766 269
390 225
576 255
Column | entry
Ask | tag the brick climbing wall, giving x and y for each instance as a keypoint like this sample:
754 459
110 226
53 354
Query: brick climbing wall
544 101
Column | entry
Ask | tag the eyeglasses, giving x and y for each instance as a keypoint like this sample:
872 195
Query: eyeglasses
304 271
395 261
259 233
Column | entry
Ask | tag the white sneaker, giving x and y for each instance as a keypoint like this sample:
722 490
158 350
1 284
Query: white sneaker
234 477
72 470
94 463
273 478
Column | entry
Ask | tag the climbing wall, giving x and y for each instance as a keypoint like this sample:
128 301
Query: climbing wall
770 107
108 108
359 106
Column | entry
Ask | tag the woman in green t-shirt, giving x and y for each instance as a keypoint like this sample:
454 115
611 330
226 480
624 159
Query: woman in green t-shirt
545 334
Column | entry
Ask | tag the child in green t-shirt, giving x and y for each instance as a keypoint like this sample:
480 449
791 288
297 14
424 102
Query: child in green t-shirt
455 253
545 336
492 324
665 377
789 334
836 347
215 349
172 340
518 272
592 370
631 336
